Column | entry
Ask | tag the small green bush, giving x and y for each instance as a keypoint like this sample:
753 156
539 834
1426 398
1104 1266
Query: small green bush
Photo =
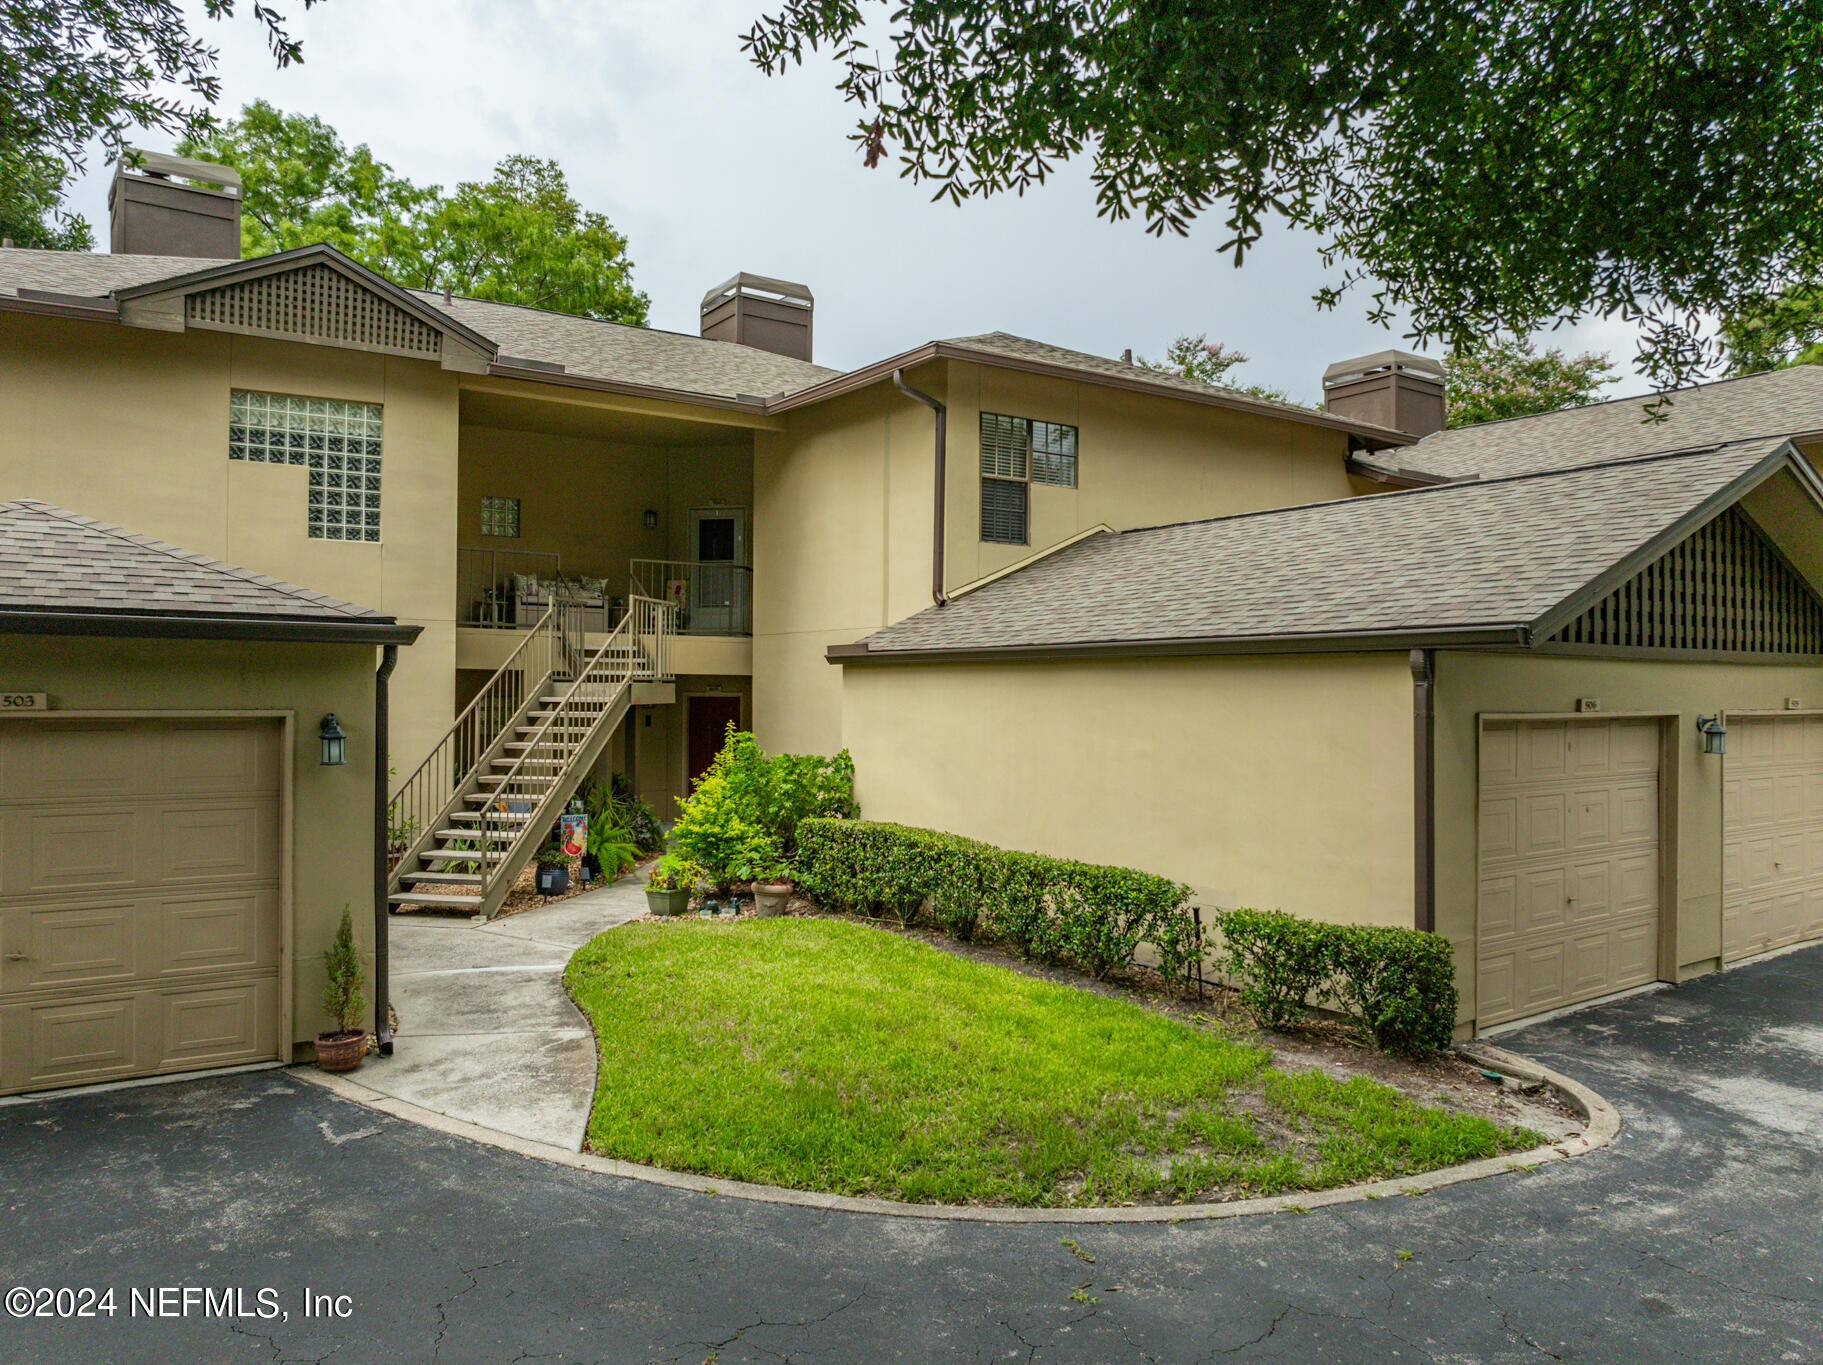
1400 983
777 791
1278 959
344 996
1048 908
715 832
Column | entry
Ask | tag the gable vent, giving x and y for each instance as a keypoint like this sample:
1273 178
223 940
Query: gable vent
1723 590
314 303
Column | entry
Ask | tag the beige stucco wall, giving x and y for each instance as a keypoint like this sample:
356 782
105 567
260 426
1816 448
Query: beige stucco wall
864 463
1470 685
331 809
585 499
1282 782
131 426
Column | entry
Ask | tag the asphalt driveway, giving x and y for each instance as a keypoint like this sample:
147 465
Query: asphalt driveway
1698 1236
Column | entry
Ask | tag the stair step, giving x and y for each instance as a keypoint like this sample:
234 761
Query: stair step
442 878
431 898
497 778
498 818
460 855
472 833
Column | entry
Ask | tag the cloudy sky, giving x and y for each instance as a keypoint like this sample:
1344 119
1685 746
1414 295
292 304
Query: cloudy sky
710 167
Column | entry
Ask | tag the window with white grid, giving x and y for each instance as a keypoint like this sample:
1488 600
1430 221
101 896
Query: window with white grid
500 516
337 442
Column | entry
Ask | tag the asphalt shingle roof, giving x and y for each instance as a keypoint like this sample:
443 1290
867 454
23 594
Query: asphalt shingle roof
1780 402
632 355
57 561
1456 556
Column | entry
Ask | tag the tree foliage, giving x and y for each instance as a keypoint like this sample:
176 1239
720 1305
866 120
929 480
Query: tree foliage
1474 167
519 237
1207 362
1776 331
76 72
1506 378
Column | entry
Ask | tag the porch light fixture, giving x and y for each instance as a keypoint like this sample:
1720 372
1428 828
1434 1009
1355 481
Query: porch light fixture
650 518
1714 733
335 742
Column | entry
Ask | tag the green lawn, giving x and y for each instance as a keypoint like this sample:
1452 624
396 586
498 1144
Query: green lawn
827 1055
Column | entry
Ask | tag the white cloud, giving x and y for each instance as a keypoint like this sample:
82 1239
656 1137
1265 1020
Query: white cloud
709 167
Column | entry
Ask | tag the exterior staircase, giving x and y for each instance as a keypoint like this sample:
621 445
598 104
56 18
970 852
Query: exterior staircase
467 822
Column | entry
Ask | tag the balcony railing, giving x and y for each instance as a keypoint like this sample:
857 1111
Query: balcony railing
488 586
712 598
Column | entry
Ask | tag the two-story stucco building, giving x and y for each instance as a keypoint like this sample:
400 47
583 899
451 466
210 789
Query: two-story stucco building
1046 598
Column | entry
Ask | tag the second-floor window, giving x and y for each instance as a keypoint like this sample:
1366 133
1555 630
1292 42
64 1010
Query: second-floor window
336 441
500 516
1017 452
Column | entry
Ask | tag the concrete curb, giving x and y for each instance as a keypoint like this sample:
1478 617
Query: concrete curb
1601 1126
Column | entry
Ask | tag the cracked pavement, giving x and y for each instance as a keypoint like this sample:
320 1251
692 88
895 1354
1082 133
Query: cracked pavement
1696 1237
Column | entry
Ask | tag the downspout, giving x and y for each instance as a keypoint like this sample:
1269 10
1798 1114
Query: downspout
1424 788
382 1010
942 455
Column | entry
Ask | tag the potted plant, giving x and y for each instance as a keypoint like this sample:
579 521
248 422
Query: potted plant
344 1001
668 886
553 866
771 878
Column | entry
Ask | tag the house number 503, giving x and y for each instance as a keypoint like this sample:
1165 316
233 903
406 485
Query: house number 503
22 701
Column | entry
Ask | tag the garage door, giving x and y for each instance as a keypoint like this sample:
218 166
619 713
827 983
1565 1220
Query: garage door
1772 845
139 899
1569 882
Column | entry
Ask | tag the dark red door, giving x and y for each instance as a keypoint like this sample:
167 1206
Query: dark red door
709 721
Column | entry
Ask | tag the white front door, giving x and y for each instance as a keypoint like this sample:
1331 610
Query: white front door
718 541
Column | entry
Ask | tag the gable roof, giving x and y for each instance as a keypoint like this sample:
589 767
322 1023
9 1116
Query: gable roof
1493 562
1776 403
539 346
65 573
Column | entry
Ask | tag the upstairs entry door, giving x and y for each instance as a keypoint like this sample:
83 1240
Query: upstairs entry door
718 605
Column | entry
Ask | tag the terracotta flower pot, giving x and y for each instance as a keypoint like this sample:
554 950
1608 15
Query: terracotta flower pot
770 898
341 1051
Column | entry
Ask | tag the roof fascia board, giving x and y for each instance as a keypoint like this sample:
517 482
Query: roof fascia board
1351 642
144 299
1697 656
1687 525
942 350
1395 478
158 625
48 304
650 399
1100 528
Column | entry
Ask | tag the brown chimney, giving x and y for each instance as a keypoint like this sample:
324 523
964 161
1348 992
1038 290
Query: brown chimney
1390 388
771 315
154 215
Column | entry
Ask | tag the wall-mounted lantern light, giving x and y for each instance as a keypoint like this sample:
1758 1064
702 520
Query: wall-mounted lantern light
1714 733
335 743
651 519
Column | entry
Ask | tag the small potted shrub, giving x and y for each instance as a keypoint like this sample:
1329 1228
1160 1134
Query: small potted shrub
771 878
344 1001
669 884
553 866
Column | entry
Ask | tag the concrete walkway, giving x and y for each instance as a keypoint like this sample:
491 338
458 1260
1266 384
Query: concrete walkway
486 1032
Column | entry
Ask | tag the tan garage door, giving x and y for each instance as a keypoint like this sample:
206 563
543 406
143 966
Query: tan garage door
1772 845
1569 887
139 899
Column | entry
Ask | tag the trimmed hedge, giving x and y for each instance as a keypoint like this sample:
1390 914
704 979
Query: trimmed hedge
1052 909
1400 983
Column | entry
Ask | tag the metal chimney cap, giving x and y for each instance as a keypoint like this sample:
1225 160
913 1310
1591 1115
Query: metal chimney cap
784 290
164 166
1398 362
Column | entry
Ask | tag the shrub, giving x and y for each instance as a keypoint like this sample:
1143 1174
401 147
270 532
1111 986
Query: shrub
1400 983
344 999
715 832
1278 959
1047 908
778 791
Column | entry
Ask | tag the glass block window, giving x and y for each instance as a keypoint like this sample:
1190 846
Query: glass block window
1017 452
500 516
337 442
